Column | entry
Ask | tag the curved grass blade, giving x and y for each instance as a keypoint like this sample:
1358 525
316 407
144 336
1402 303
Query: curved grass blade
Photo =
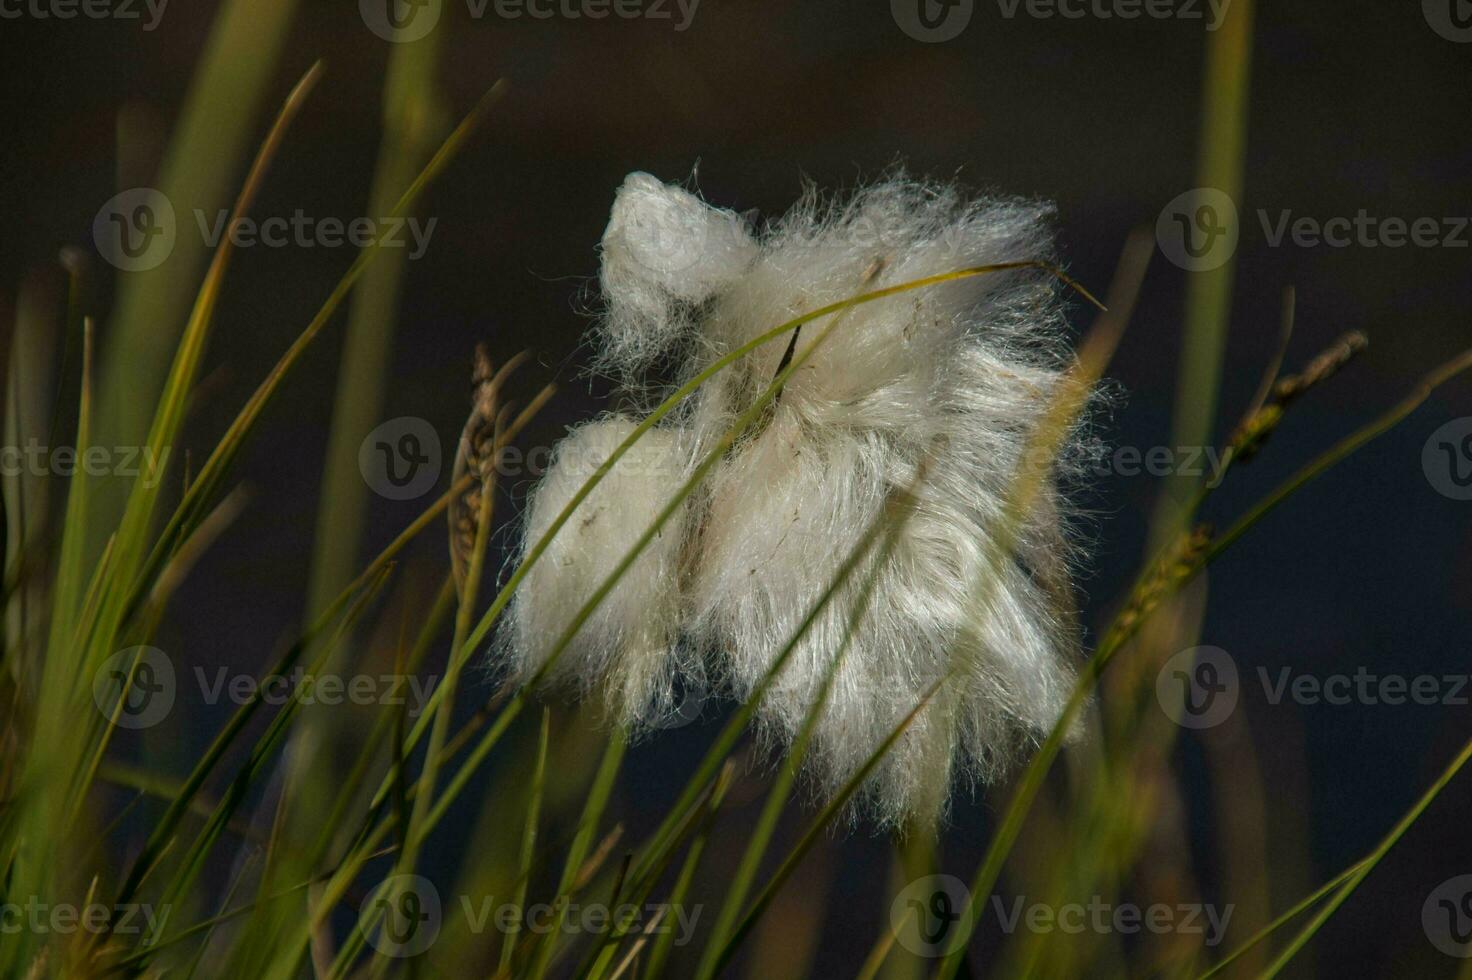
1360 871
169 415
1303 905
65 667
65 605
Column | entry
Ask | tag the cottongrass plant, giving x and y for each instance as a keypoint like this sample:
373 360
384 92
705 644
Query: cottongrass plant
845 507
955 379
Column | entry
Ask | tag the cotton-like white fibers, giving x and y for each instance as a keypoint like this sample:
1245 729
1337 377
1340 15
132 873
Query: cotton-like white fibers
664 251
629 642
952 380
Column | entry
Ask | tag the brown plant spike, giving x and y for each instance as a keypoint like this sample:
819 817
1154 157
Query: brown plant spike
1254 431
475 455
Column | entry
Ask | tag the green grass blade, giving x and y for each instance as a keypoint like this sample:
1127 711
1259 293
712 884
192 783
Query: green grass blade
65 604
1222 155
260 757
209 143
411 114
1303 905
1368 864
169 415
660 951
816 829
587 831
529 833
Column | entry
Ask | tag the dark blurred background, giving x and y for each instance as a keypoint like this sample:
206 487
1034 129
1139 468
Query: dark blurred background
1353 105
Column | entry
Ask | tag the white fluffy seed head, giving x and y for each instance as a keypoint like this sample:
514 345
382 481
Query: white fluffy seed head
959 375
952 380
628 645
664 252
